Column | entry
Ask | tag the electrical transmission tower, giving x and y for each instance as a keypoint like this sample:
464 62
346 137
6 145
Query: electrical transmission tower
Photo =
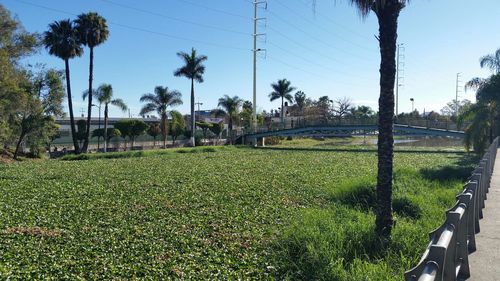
256 19
400 65
458 86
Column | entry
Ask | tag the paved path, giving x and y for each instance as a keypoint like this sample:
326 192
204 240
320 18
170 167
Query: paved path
485 262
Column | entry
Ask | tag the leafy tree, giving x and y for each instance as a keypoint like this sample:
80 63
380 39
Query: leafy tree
49 87
81 132
92 31
387 12
160 101
229 107
455 108
104 95
62 41
125 128
204 126
154 131
217 129
108 135
138 128
362 111
193 69
282 90
178 125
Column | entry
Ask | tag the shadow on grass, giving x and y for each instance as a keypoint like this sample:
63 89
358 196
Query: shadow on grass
362 196
323 244
370 150
460 170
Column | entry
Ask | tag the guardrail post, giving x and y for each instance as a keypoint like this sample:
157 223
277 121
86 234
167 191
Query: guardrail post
473 221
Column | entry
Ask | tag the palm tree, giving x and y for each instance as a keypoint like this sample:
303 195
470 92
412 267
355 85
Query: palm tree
104 95
160 101
491 61
93 31
300 100
282 90
229 107
484 114
193 69
480 126
61 40
387 12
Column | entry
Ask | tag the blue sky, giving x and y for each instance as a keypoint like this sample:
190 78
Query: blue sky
330 51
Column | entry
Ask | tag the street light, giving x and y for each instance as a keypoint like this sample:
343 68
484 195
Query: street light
412 104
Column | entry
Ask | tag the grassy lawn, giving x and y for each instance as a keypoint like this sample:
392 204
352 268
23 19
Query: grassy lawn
232 213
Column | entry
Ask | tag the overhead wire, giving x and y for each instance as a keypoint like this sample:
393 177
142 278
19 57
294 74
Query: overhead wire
141 29
176 19
321 27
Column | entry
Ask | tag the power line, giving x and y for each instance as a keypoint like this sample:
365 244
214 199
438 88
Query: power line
309 72
141 29
351 31
315 38
215 10
176 19
313 63
321 27
302 45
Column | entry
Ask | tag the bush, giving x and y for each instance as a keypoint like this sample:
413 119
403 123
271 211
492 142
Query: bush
273 140
198 139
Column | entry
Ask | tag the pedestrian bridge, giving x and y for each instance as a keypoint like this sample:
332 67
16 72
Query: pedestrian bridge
349 130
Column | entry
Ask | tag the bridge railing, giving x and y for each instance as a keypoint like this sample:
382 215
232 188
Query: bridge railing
446 256
317 121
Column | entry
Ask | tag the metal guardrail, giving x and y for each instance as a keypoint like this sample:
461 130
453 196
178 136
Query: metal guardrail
446 257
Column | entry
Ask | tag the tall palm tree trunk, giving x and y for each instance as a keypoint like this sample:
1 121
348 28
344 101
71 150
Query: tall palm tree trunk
193 120
230 128
282 112
164 129
388 21
89 109
70 108
106 128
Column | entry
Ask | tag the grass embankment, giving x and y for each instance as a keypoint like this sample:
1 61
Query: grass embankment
233 213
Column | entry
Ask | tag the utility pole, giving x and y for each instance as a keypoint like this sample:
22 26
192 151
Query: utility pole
457 91
256 19
199 104
399 69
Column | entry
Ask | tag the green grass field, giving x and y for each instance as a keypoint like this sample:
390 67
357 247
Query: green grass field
223 213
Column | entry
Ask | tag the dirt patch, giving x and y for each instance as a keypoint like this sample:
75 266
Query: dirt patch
33 231
6 157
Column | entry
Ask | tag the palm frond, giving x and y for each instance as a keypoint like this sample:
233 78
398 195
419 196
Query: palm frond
120 104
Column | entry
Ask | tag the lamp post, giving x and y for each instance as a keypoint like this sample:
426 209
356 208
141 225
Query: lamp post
412 104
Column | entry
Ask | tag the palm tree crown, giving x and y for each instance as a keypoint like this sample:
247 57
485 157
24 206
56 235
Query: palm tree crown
231 105
92 29
300 99
193 66
377 6
160 101
62 41
282 90
491 61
